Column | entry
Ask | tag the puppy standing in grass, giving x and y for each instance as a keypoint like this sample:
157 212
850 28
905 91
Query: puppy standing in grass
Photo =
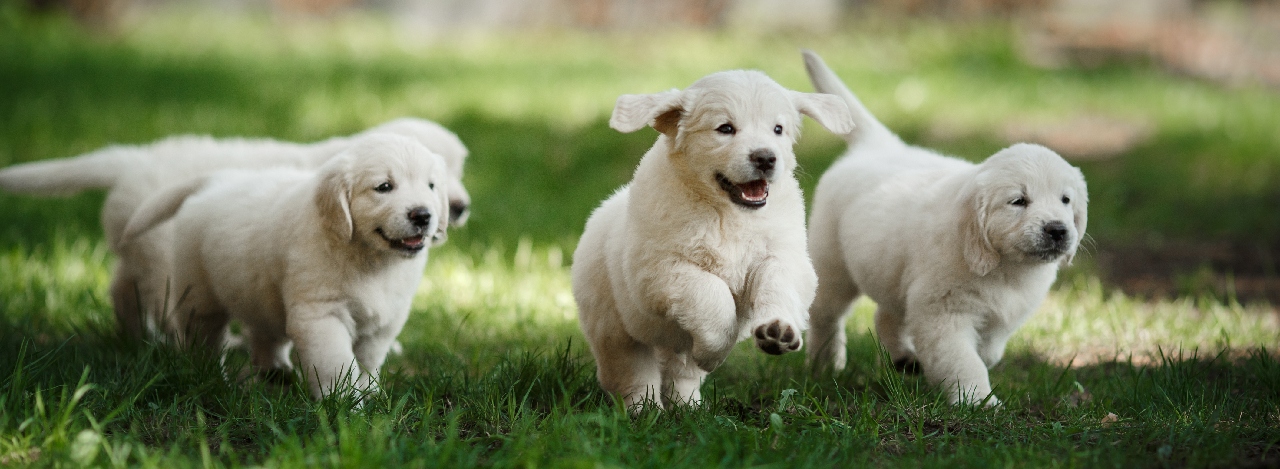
131 173
325 261
956 255
706 245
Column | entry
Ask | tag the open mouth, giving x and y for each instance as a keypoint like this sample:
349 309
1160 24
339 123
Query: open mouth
752 194
1047 255
409 245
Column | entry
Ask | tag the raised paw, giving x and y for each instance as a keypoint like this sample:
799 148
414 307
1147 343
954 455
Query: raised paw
777 338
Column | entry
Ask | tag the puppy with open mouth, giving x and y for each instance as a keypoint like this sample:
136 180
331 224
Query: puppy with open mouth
132 173
706 246
324 261
956 255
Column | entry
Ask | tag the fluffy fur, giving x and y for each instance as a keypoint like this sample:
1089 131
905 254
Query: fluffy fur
956 255
705 246
140 286
325 261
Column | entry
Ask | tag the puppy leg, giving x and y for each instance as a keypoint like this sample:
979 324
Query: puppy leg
371 353
836 291
992 350
198 319
782 294
269 354
628 369
702 305
889 329
681 379
948 351
325 349
124 300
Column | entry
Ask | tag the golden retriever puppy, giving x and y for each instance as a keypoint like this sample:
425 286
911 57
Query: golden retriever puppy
956 255
140 285
706 245
326 261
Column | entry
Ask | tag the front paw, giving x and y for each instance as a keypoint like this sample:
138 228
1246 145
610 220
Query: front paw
777 338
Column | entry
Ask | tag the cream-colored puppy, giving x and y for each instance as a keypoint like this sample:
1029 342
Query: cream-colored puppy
956 255
705 246
140 285
326 261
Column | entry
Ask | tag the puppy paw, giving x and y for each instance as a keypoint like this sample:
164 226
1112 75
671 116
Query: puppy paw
777 338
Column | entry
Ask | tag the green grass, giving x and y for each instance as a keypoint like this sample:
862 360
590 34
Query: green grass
495 372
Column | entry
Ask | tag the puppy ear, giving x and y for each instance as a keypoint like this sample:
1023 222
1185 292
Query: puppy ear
333 199
1080 218
633 112
979 254
441 234
828 109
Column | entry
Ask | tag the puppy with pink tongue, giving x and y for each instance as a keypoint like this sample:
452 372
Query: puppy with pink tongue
706 246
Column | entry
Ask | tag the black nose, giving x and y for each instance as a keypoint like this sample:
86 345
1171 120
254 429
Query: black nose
457 209
763 159
1056 231
420 216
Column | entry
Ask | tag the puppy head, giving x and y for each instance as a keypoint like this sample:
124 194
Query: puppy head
731 133
446 144
386 192
1025 205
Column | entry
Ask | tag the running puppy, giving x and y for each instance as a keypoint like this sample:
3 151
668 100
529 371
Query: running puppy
705 246
325 261
140 285
956 255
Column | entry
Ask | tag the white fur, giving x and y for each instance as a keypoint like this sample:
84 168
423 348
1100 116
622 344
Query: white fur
670 273
939 243
140 286
304 258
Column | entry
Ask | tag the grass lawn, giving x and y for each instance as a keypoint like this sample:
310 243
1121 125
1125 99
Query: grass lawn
495 372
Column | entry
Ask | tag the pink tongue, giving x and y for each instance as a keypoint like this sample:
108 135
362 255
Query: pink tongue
412 242
754 190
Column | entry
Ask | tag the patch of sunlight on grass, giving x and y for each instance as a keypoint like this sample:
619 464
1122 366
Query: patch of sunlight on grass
533 289
1082 319
62 283
1079 318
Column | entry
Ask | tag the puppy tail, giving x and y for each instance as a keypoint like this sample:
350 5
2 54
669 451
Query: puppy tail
159 208
866 127
66 176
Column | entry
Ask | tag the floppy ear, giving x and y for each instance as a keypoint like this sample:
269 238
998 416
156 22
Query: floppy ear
635 111
828 109
333 199
442 195
1080 217
979 254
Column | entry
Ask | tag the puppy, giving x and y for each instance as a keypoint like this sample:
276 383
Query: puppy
140 287
326 261
705 246
956 255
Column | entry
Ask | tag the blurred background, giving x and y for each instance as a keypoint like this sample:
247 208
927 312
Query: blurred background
1170 107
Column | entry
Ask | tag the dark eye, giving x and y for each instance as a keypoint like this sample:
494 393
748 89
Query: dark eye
1066 200
384 187
431 185
726 129
1020 202
777 129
